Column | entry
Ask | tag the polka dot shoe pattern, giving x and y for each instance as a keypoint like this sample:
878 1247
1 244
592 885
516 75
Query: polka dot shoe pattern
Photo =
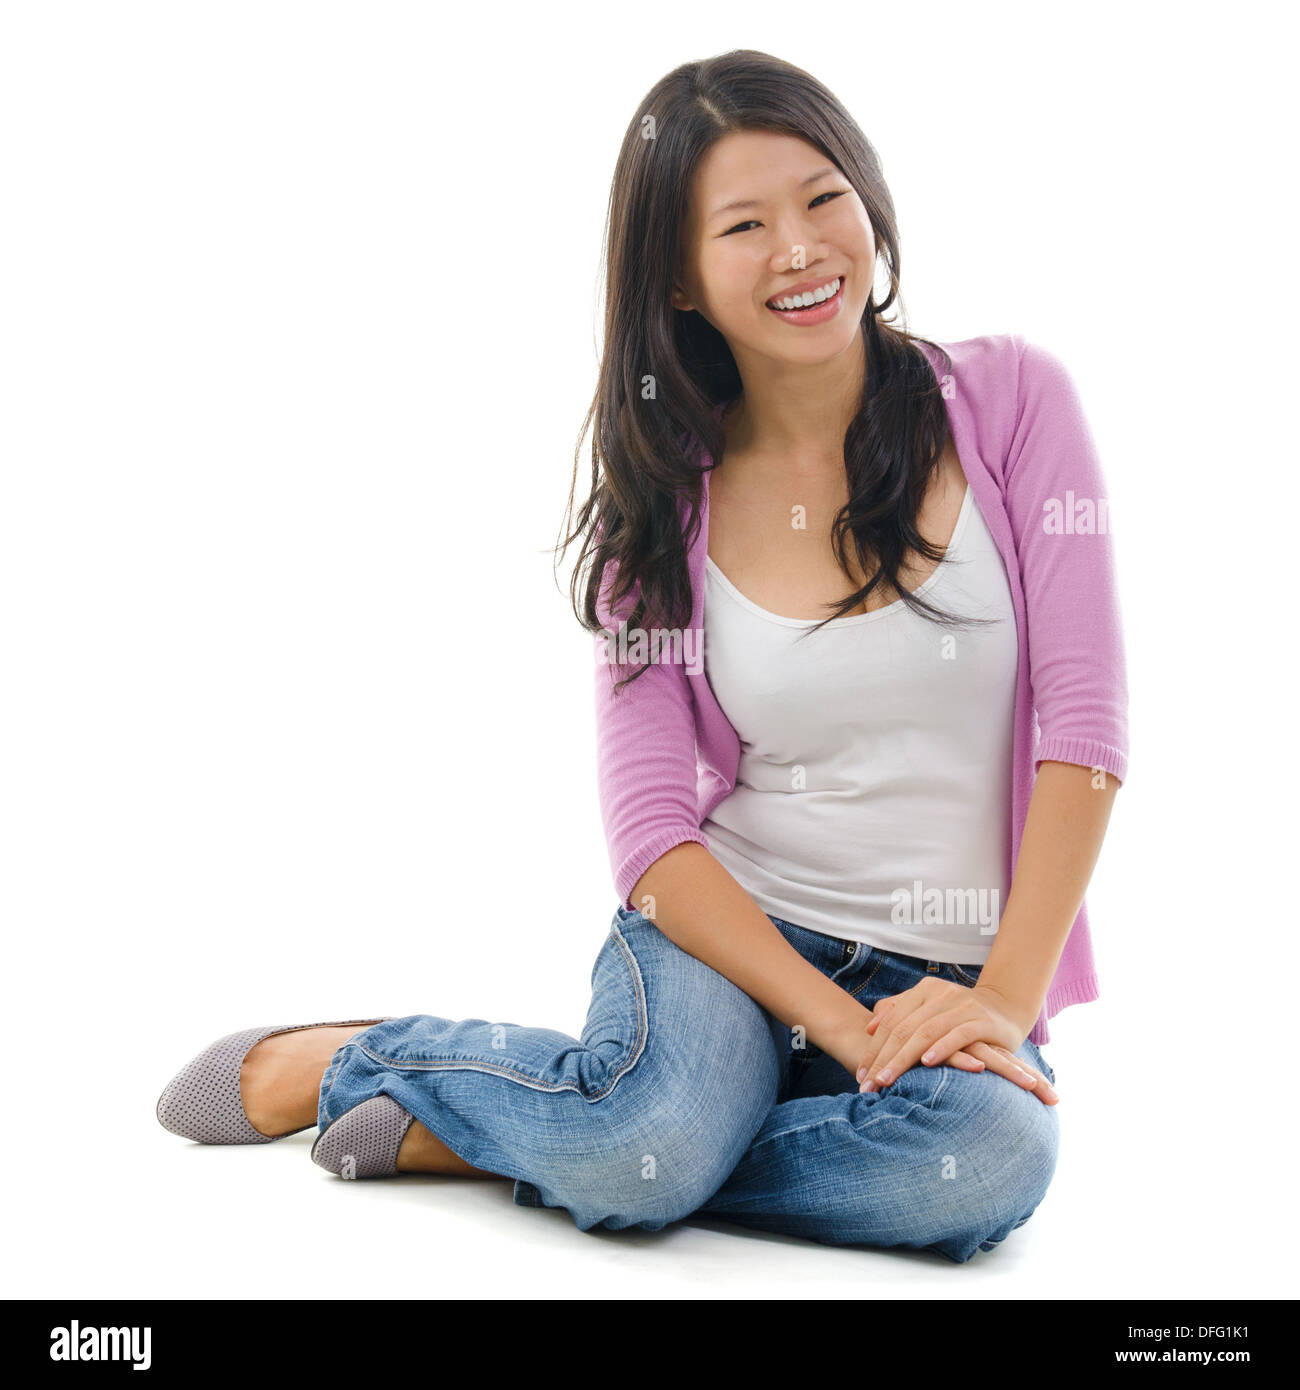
363 1143
202 1101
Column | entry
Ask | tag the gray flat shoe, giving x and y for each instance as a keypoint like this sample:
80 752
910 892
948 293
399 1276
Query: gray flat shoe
363 1142
202 1101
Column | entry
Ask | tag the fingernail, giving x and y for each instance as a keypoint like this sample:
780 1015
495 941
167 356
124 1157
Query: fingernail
884 1077
862 1073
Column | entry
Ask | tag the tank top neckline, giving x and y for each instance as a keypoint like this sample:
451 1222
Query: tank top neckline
853 618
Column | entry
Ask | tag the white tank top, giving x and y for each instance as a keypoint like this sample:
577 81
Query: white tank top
873 797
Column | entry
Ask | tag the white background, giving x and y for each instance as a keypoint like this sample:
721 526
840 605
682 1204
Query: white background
299 325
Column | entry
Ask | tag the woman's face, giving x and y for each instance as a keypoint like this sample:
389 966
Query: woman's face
799 225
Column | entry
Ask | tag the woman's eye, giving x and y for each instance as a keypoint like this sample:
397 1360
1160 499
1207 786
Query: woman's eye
740 226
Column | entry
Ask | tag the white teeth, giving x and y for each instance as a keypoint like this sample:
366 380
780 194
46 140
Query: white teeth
809 297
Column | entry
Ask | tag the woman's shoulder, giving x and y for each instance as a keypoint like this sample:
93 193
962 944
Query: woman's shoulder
995 356
994 377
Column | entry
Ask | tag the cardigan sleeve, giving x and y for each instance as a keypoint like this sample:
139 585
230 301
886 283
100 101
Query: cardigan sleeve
645 761
1058 509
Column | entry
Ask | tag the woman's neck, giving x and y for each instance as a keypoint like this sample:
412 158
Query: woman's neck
795 419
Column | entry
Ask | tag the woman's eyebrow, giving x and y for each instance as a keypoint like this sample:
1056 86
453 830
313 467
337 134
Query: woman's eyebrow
750 203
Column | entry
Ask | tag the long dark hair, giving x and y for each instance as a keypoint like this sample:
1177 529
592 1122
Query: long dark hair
643 451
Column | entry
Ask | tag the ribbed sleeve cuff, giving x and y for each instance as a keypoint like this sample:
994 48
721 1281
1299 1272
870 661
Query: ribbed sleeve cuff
1086 752
640 860
1081 991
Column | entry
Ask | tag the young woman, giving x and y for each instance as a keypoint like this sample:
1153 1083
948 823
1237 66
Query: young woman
861 715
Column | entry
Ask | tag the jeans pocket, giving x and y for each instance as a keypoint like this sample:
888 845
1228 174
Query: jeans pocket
830 954
965 974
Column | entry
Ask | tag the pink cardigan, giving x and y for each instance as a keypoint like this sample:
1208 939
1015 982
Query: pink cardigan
666 754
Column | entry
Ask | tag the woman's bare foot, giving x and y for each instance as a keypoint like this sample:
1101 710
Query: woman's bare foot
279 1080
423 1152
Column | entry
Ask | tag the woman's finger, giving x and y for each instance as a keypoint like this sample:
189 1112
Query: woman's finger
961 1059
936 1035
1007 1064
965 1061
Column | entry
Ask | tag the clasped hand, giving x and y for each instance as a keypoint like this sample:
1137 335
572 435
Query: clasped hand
937 1022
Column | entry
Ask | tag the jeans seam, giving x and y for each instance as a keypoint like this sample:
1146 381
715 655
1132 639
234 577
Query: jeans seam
1048 1070
499 1069
334 1076
857 989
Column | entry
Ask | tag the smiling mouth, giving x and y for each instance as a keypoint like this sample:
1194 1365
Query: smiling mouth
837 281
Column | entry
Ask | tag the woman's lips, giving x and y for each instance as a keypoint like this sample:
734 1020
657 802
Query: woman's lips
814 313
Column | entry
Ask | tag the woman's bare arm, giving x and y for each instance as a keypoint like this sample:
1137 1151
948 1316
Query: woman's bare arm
699 906
1068 814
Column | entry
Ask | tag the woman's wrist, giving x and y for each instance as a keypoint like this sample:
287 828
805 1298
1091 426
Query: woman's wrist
844 1034
1020 1009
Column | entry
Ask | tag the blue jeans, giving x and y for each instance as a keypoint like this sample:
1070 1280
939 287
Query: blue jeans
685 1098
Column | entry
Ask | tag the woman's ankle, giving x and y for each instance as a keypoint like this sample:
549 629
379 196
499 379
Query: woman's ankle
423 1152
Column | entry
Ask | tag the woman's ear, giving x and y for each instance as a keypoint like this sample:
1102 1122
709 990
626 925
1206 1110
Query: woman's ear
680 299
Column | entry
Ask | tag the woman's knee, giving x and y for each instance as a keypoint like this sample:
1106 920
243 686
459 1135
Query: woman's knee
669 1169
678 1130
1003 1151
695 1089
973 1157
